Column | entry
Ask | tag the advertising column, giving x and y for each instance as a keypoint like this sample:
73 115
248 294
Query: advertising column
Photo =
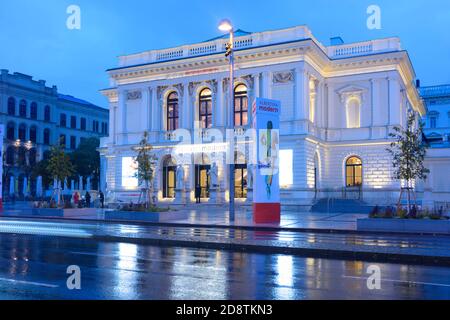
266 190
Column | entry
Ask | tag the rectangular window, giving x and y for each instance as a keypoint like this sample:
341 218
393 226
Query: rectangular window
433 122
286 167
73 122
62 140
83 123
73 142
129 169
62 120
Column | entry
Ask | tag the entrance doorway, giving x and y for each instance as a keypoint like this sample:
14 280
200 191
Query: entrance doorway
202 178
240 181
169 178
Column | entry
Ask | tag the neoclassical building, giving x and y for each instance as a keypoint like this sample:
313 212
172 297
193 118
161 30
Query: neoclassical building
338 105
35 117
437 132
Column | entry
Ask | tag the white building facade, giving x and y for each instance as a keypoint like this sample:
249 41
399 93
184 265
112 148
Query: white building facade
338 105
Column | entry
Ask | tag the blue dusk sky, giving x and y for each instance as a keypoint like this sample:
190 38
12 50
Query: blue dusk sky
35 40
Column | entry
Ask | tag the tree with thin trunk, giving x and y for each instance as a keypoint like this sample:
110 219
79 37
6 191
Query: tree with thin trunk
408 152
59 167
146 162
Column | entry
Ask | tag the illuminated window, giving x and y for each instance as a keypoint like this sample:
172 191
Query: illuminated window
172 112
205 109
353 113
286 167
240 177
129 169
240 105
353 172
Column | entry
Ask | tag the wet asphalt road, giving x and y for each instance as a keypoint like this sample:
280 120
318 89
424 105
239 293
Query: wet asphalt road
34 267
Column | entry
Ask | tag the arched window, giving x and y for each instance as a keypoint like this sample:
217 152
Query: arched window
10 154
353 172
240 105
33 134
33 110
10 131
169 178
46 136
353 113
205 108
11 106
23 108
22 132
47 113
172 112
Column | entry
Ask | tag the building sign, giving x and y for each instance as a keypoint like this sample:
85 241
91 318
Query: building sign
266 188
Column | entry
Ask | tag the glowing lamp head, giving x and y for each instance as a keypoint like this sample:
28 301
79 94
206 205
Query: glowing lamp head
225 25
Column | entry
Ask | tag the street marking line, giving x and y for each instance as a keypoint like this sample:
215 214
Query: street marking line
403 281
30 282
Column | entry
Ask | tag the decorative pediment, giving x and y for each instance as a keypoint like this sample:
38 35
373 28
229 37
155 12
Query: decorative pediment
351 91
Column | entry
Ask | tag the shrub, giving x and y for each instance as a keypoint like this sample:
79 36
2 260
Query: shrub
374 213
389 212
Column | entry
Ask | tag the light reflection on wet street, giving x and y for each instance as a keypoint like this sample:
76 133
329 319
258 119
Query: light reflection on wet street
34 267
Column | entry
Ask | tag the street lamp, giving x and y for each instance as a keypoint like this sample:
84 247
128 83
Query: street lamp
226 26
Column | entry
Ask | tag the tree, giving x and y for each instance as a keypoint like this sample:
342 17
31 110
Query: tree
408 152
86 159
59 166
146 162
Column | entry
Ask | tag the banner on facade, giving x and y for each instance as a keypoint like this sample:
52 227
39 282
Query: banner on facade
2 128
266 189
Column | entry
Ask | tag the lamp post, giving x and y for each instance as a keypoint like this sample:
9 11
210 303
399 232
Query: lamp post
226 26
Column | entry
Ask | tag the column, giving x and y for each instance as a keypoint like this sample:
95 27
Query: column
301 111
219 114
394 101
267 85
146 106
113 123
186 117
122 112
154 109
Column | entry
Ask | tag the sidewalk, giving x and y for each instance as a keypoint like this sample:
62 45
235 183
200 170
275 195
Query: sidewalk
216 216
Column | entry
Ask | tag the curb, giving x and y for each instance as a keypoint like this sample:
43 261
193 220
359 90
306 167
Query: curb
335 254
237 227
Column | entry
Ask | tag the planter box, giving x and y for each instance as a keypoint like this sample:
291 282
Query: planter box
145 216
404 225
48 212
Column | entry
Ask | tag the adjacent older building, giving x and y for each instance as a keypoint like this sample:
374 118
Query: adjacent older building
35 117
437 132
338 105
